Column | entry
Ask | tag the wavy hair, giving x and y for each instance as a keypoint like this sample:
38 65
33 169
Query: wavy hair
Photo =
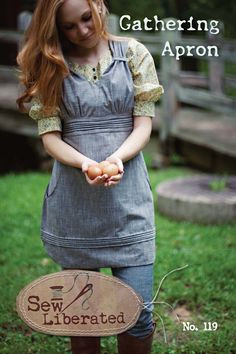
41 62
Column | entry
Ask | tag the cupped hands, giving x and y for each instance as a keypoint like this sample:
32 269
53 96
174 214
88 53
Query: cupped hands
104 179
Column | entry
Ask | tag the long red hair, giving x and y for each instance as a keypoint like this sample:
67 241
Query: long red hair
41 61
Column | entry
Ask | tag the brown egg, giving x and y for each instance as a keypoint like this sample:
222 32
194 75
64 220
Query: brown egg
94 171
104 163
110 170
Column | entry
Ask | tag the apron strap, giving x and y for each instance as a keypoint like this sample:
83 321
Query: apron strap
119 49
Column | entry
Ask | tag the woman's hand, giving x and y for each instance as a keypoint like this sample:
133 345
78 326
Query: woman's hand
113 180
99 180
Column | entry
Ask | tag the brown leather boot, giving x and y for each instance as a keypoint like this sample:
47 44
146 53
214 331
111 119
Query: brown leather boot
85 345
128 344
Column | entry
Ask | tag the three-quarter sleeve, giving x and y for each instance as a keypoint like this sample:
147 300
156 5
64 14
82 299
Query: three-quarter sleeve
147 89
46 124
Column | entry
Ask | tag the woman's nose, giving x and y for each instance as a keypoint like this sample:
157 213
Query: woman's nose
83 30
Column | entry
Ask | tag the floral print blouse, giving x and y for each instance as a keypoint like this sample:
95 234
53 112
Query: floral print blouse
147 89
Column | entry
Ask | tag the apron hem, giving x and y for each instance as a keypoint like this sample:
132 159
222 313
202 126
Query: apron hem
98 243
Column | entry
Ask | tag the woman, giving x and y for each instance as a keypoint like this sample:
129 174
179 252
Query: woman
93 97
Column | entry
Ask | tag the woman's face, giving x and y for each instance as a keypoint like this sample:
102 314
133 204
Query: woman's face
76 23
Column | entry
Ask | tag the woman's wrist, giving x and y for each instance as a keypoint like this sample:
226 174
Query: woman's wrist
116 154
82 160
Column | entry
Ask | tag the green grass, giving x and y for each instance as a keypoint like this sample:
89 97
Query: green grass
206 288
218 184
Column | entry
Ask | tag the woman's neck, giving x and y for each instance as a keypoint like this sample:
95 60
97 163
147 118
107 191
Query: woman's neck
88 55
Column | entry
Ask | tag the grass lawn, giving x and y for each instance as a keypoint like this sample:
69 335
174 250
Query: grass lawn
203 292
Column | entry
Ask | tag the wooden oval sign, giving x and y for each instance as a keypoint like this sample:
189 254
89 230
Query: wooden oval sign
79 303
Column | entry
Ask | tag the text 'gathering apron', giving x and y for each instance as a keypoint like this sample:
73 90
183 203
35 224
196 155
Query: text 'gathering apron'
94 226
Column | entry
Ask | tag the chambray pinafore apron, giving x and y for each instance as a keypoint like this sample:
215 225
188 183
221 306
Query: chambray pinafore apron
86 226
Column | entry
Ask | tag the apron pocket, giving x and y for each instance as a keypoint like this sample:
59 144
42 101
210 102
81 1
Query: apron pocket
54 180
148 181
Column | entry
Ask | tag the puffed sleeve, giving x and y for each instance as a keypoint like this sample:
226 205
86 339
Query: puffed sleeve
147 89
46 124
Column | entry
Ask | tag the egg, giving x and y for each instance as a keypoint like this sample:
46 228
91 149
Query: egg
94 171
104 163
110 170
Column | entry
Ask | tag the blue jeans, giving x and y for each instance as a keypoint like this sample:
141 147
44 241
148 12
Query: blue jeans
140 278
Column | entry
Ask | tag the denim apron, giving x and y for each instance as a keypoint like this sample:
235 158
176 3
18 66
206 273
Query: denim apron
86 226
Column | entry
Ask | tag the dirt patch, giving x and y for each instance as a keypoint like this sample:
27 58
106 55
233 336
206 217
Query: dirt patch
182 313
